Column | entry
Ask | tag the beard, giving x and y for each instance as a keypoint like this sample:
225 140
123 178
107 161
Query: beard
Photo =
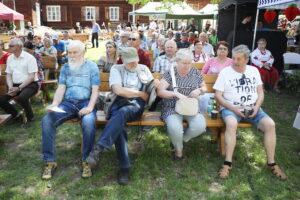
75 64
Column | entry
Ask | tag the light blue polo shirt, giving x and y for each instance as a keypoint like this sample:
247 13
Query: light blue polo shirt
79 83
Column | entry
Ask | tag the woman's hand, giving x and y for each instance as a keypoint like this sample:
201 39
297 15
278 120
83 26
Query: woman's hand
195 93
178 95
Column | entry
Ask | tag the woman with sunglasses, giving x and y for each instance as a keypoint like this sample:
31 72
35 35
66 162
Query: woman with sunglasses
263 60
112 54
216 64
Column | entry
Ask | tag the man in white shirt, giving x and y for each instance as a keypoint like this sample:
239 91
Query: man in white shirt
21 80
239 90
207 48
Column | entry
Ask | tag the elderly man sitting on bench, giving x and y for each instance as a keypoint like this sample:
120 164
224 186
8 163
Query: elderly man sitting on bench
127 82
75 97
239 90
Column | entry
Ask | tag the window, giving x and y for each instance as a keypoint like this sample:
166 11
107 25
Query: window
89 13
114 13
53 13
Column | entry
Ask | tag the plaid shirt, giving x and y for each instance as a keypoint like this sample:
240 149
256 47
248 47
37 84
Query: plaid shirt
162 64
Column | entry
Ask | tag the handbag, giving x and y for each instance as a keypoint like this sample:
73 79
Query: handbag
184 106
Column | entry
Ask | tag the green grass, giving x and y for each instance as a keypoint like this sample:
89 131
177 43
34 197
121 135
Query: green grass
154 175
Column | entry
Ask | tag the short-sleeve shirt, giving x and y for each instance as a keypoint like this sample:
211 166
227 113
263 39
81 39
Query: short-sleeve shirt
130 79
185 86
162 64
236 91
20 67
60 46
79 83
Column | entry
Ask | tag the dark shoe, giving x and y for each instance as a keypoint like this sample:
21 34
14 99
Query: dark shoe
176 158
123 176
17 119
94 156
147 128
28 124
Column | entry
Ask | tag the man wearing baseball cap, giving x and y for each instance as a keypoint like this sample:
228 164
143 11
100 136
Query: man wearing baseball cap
127 82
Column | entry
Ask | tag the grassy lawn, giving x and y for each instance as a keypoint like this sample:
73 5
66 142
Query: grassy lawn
154 175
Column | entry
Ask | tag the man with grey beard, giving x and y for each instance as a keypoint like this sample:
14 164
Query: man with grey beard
75 96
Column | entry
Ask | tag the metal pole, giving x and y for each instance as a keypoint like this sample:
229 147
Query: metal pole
133 16
234 25
255 29
14 5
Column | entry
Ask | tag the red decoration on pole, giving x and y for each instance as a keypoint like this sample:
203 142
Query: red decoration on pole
270 15
291 12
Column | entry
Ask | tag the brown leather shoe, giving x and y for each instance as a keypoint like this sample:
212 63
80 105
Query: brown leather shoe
277 172
224 171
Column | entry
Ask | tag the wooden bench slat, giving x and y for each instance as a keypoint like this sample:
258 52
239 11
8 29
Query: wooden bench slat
4 118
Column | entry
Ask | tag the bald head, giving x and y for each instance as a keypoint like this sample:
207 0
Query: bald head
170 48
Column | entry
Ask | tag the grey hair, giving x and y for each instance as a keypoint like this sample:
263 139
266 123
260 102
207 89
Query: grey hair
184 54
48 40
16 41
241 49
77 44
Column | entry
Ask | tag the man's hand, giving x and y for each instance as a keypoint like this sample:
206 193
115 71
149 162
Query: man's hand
144 96
85 111
255 109
156 83
13 91
195 93
49 108
237 110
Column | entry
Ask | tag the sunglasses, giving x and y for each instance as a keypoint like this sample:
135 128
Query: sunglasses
133 39
11 45
242 80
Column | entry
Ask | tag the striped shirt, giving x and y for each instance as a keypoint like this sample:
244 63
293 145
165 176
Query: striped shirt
162 64
185 86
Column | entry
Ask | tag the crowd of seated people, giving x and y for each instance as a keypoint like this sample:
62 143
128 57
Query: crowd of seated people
238 87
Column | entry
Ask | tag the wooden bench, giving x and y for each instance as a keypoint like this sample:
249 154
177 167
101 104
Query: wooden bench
4 118
153 118
83 37
199 66
48 64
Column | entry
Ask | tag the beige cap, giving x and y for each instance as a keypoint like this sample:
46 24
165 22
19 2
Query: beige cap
129 54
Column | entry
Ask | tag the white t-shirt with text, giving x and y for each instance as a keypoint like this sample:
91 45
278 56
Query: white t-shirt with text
238 91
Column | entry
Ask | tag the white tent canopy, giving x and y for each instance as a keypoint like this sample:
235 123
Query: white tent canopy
157 8
209 9
277 4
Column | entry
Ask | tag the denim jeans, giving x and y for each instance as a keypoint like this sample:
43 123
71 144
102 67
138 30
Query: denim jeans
53 119
114 131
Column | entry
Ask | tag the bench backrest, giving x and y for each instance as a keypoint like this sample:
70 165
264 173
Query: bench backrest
48 63
199 66
209 79
2 69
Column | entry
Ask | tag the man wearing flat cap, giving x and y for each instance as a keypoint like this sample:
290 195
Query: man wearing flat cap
127 82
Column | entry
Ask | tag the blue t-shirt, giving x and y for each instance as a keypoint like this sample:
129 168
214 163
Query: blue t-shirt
60 46
79 83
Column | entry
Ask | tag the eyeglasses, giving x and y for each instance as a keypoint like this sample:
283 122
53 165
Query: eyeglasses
133 39
11 45
225 49
242 80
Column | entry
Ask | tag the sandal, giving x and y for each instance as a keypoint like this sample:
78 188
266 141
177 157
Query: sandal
277 172
224 171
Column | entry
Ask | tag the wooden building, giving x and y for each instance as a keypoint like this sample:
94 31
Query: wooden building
63 14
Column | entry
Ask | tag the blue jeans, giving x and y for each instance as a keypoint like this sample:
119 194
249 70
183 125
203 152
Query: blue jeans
123 110
53 119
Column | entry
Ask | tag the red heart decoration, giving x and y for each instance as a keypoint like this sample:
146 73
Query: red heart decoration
291 12
270 15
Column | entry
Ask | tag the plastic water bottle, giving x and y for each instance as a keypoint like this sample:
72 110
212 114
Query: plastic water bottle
210 105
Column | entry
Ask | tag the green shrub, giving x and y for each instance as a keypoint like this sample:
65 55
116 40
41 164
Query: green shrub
293 83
